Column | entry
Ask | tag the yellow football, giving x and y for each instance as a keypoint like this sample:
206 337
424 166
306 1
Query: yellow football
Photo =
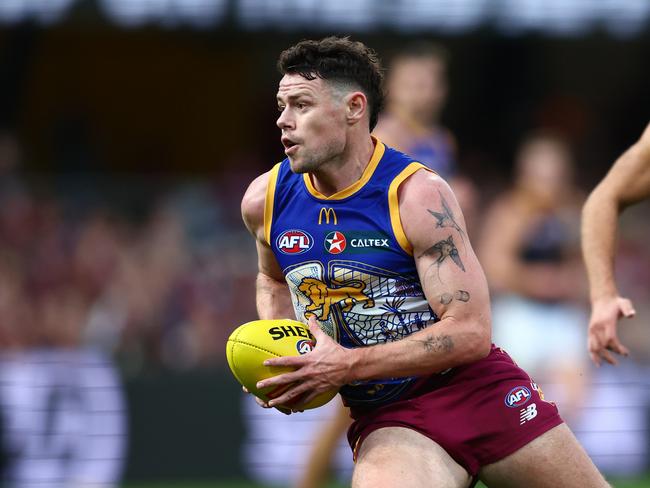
253 342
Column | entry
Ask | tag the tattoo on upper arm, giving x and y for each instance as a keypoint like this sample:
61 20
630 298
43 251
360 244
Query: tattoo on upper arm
446 217
441 250
460 295
431 343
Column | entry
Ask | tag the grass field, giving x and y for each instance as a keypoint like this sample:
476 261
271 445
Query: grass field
638 483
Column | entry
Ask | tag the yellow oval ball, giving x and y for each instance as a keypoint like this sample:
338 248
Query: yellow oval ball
252 343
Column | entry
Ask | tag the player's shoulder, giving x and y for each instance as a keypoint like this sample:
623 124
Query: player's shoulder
423 196
254 201
422 190
423 185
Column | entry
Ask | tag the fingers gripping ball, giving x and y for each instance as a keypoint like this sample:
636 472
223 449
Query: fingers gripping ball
252 343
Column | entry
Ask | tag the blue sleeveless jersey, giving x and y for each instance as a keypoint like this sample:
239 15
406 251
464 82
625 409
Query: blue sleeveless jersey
347 261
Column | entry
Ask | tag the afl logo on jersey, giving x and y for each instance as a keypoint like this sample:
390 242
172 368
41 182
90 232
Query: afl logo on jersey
335 242
517 397
294 241
304 346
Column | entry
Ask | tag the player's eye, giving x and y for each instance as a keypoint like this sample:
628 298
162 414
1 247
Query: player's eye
280 108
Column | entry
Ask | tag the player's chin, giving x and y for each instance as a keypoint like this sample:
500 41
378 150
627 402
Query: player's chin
297 165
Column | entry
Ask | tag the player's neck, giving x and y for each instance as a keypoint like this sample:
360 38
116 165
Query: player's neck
346 169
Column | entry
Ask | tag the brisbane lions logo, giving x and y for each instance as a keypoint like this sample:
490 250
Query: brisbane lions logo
323 297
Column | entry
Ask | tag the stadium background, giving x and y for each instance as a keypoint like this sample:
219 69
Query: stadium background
130 128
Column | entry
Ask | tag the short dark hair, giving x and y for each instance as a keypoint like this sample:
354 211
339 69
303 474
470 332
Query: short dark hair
338 59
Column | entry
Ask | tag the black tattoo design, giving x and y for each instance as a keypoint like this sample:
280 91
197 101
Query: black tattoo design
446 298
436 343
446 217
461 295
443 250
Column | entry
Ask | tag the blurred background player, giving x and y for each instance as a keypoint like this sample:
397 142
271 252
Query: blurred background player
530 251
417 88
627 183
416 92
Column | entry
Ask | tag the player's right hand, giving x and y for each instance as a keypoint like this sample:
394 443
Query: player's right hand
263 404
602 340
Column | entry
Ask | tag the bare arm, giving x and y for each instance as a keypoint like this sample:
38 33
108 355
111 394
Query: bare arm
272 294
271 291
627 182
452 280
453 283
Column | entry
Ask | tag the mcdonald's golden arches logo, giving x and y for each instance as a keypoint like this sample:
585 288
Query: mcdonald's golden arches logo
329 213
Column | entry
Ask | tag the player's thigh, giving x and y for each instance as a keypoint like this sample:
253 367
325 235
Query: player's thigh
399 457
553 460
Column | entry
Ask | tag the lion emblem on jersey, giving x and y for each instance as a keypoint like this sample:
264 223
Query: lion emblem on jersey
322 297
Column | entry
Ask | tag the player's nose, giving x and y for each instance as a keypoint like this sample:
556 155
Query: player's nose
284 120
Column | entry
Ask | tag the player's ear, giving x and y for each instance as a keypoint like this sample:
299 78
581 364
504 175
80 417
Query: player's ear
356 105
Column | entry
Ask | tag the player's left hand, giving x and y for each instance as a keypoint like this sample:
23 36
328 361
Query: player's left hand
326 367
603 339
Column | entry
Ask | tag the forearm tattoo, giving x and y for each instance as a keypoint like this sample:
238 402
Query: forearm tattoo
460 295
442 250
445 218
433 343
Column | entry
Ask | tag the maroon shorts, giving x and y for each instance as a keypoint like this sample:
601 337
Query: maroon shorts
479 413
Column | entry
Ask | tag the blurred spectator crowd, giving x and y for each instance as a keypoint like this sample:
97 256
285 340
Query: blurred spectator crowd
159 271
155 274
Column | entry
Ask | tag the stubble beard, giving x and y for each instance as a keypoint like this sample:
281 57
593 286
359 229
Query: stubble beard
314 160
303 165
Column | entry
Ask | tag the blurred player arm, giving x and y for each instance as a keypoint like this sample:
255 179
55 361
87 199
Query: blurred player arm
627 182
272 294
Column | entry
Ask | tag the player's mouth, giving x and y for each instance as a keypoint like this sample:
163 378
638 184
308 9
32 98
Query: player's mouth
290 146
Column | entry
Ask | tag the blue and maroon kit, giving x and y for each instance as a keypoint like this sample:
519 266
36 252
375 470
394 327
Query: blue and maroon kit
347 262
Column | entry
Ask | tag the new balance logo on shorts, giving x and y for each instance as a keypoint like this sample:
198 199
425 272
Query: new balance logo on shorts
528 413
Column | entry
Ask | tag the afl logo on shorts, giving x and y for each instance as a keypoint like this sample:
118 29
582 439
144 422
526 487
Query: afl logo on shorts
294 241
304 346
335 242
517 397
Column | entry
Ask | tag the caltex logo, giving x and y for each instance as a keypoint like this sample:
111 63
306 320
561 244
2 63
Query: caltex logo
335 242
294 241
